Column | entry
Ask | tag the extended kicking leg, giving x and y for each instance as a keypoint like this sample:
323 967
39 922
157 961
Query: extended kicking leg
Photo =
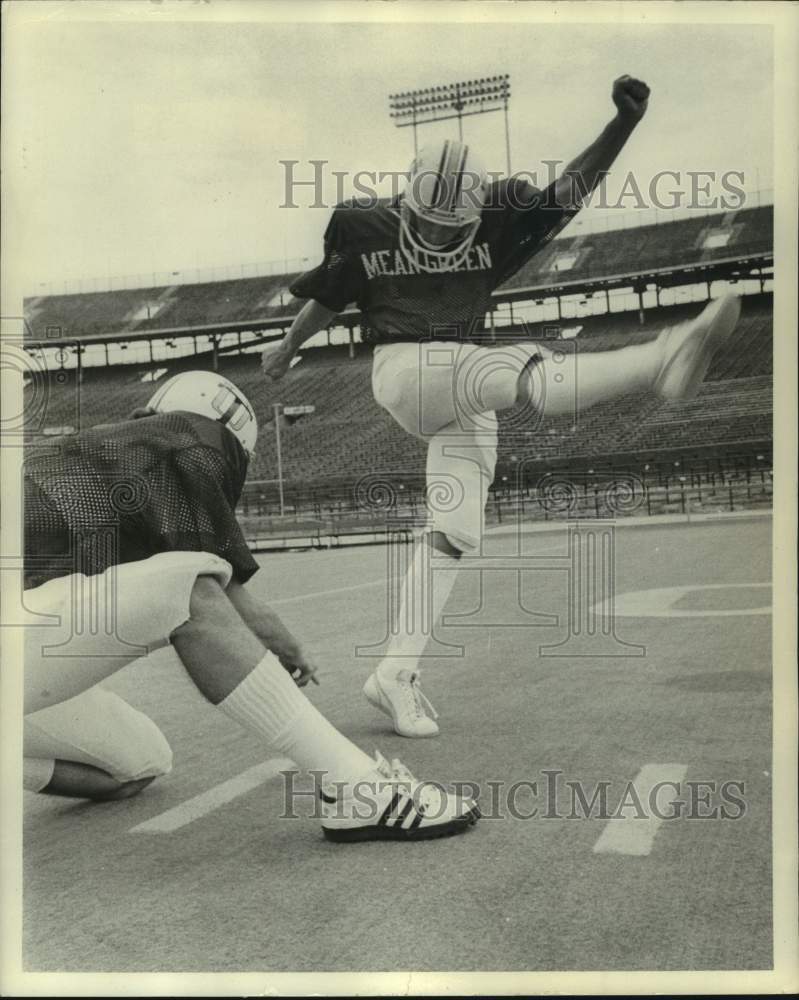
448 394
673 366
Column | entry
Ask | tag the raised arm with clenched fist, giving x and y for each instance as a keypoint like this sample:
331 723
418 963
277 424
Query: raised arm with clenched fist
631 97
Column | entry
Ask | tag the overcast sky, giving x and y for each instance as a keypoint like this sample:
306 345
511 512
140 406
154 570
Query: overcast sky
153 147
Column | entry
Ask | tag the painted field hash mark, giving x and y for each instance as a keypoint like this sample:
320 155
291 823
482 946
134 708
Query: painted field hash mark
207 802
635 835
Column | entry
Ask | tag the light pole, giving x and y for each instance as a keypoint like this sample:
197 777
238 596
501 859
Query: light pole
437 104
277 407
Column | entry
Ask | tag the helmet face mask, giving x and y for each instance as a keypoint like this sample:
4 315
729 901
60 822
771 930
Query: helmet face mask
441 207
438 236
213 396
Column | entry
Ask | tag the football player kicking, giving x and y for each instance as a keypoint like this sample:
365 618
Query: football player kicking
421 267
131 541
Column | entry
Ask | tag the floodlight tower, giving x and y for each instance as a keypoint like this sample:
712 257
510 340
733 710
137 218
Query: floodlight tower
452 100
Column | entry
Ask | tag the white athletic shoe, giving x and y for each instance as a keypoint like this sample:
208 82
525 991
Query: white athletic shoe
403 699
388 803
688 348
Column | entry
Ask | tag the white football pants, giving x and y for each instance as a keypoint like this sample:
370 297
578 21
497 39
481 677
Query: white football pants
85 628
446 393
96 727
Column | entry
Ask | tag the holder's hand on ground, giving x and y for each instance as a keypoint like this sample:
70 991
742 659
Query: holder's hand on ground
275 362
631 97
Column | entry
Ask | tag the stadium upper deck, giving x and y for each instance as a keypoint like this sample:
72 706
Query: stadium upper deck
668 253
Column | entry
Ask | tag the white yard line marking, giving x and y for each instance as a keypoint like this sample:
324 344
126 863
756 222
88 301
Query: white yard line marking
474 563
327 593
192 809
632 834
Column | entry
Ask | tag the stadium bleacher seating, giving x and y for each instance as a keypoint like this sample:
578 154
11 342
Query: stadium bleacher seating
652 247
182 306
161 308
348 435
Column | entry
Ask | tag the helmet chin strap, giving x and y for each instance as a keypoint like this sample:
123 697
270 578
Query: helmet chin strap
424 257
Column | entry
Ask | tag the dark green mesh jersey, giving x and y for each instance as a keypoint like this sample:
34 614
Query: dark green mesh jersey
118 493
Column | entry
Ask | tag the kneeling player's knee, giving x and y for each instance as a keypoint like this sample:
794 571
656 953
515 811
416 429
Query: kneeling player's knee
145 753
161 757
153 759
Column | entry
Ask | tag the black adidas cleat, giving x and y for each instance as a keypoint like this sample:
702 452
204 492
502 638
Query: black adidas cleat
390 804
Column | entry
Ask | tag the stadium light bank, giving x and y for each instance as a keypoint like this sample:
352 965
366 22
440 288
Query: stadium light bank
413 108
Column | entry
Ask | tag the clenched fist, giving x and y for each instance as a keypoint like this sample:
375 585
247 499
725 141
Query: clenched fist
631 97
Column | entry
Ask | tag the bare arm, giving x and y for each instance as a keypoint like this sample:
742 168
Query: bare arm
312 318
268 627
586 171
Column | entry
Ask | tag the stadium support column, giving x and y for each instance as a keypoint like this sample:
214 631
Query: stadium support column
105 345
641 316
215 343
150 349
352 342
277 408
507 135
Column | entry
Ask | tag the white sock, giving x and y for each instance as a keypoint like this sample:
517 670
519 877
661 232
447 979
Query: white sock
269 703
427 584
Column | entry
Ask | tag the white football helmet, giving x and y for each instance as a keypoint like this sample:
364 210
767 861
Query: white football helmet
444 198
213 396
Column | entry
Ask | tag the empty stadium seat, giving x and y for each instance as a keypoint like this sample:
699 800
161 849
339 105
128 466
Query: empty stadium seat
349 435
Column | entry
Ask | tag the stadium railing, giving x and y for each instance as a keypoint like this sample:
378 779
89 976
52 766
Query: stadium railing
670 482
